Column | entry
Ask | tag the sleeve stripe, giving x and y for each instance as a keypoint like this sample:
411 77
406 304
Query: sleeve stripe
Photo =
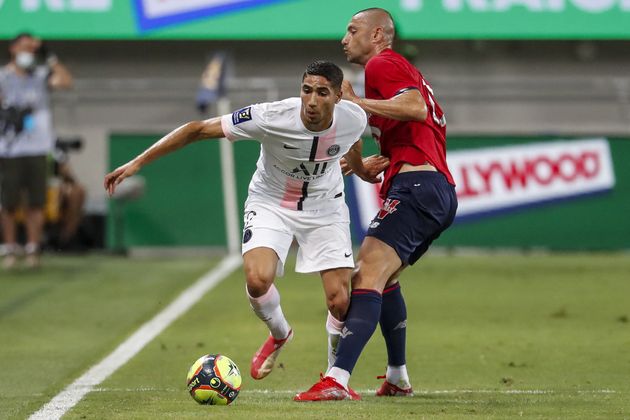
407 89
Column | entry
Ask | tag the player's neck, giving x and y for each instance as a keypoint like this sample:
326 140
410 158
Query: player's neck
382 47
316 128
376 51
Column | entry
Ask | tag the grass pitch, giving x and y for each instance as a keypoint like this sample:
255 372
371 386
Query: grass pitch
488 337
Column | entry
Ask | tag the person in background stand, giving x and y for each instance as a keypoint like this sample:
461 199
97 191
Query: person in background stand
26 139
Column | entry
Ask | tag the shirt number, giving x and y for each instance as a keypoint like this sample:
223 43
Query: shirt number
441 121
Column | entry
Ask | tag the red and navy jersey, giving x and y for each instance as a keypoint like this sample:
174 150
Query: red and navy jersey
415 142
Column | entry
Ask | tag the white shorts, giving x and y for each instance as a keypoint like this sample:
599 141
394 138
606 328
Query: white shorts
323 236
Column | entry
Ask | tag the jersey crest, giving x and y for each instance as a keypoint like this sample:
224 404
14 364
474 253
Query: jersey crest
333 150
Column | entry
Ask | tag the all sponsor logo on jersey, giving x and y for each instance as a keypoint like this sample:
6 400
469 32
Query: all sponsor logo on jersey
242 115
305 171
333 150
389 206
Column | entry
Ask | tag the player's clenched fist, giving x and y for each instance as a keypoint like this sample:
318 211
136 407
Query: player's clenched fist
348 91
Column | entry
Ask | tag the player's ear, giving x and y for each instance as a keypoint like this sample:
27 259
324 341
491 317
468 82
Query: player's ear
377 34
338 94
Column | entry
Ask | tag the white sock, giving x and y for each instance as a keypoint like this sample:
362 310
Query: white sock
10 249
267 308
340 375
333 327
31 248
398 376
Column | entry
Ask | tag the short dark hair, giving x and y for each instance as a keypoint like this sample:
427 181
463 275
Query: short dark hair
379 9
376 9
326 69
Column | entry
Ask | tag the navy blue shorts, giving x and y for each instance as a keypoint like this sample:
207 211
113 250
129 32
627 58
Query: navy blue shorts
420 205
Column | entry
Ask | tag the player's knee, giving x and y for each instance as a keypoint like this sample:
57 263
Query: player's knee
364 278
338 302
258 282
256 287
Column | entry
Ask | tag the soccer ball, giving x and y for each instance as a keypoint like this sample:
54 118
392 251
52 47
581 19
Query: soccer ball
214 379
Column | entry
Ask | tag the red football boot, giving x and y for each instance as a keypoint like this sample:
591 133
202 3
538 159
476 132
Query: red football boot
388 389
265 357
327 389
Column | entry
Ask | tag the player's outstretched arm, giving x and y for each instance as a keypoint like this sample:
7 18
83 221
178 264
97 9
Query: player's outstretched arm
188 133
408 106
367 168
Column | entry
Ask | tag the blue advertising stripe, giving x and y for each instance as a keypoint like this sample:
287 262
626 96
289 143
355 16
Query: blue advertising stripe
145 23
353 205
528 206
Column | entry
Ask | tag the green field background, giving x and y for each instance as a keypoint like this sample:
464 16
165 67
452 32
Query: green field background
489 337
183 204
326 19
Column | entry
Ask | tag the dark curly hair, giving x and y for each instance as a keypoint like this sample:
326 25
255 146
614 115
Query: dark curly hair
326 69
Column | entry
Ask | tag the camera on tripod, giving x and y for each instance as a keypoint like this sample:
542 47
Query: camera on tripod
69 144
14 119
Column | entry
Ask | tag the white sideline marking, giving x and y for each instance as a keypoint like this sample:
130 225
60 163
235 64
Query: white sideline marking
372 391
74 392
452 391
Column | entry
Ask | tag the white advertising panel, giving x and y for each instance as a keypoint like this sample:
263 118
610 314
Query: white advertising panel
495 179
492 179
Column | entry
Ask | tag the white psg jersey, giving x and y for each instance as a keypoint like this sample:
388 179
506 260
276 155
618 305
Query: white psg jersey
297 169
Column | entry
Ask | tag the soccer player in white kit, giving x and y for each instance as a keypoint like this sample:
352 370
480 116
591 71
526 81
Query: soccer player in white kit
296 192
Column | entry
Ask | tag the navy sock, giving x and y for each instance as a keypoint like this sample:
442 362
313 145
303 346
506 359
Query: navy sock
394 325
363 315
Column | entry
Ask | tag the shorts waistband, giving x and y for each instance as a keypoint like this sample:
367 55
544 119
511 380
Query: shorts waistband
404 177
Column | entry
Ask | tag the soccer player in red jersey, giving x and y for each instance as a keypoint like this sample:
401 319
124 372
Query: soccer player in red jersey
419 201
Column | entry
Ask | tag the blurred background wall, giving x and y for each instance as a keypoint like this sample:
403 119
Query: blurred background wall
487 87
507 75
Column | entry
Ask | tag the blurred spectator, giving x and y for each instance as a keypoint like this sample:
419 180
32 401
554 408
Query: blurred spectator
213 81
26 139
70 196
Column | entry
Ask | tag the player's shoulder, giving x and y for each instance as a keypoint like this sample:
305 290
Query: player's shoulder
386 58
277 110
349 109
267 114
281 107
350 116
